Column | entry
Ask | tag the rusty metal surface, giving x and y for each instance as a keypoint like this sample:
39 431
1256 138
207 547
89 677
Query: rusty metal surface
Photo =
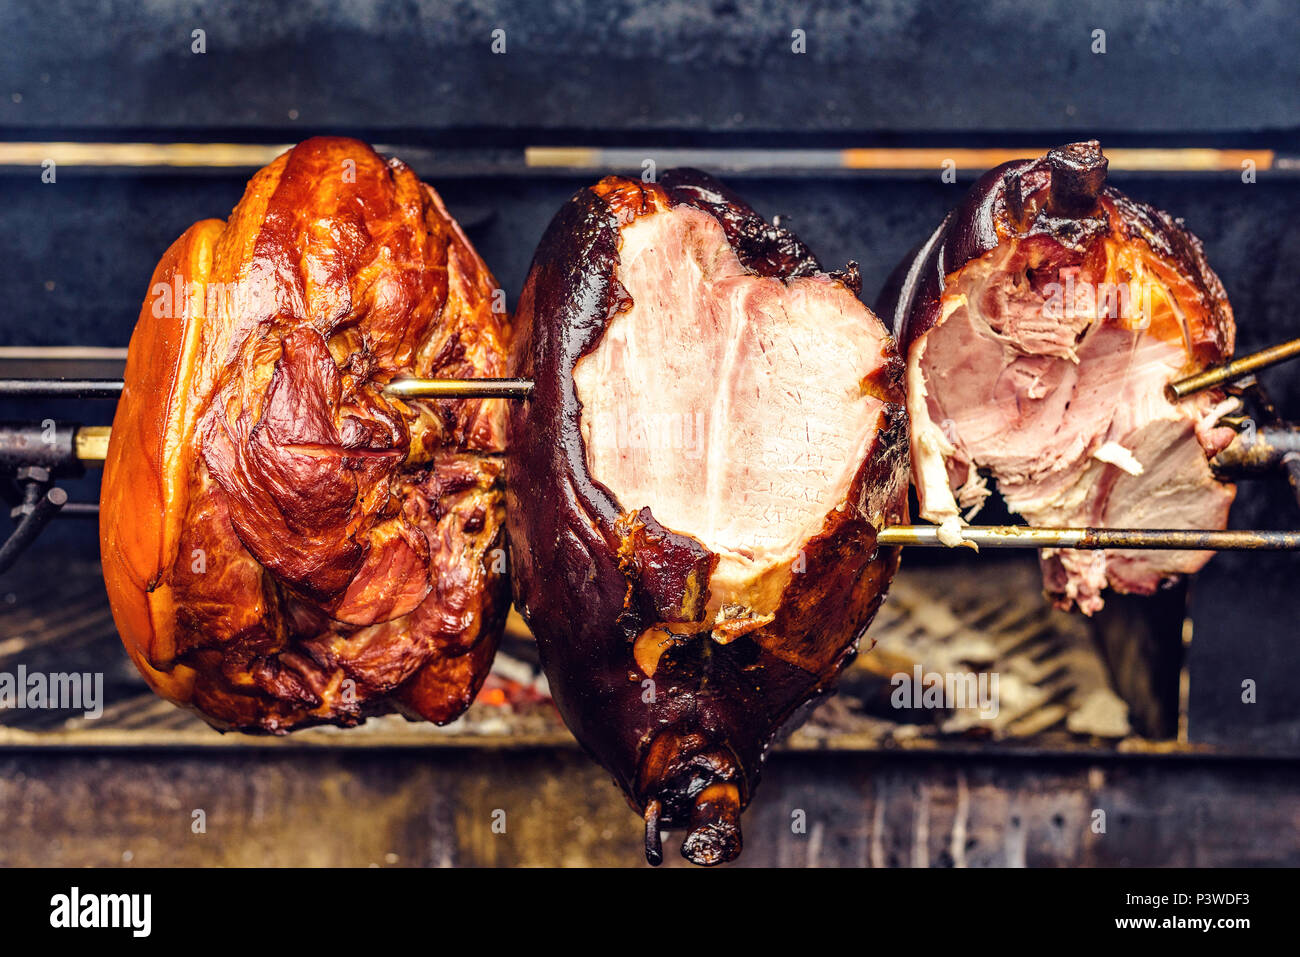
548 807
1259 449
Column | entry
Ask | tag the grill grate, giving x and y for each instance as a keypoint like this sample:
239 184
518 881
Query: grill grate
1052 682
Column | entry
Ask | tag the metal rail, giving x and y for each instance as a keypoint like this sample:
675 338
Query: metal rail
50 388
90 446
147 156
1231 371
522 388
1023 536
60 388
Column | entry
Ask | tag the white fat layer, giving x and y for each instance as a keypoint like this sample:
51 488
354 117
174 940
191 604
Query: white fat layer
931 449
1118 456
950 532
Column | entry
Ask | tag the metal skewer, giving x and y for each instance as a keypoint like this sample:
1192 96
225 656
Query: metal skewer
60 388
91 446
403 388
460 388
1022 536
1231 371
522 388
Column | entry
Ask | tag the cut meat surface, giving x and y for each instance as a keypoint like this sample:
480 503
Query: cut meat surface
1040 363
732 405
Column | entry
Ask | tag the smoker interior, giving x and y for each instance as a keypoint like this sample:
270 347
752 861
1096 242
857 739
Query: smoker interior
1196 776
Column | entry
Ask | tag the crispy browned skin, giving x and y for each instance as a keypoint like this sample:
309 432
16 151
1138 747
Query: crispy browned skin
591 576
284 545
1069 217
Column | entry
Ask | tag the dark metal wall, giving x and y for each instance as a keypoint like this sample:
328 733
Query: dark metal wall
622 67
439 808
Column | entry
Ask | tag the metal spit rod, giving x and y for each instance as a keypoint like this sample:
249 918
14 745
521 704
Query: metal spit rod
522 388
1021 536
403 388
1231 371
91 444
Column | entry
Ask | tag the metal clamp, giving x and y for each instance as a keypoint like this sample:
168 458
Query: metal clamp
41 501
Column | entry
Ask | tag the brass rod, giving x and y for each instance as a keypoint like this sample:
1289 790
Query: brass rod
403 388
1021 536
522 388
146 155
460 388
92 446
91 443
1229 371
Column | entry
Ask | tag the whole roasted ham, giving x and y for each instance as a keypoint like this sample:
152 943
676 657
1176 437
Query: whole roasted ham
283 543
1040 325
715 436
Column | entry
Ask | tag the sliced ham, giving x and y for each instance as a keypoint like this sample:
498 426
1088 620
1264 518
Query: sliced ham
1041 324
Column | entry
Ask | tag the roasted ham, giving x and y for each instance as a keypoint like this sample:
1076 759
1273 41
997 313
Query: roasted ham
1041 323
283 543
715 436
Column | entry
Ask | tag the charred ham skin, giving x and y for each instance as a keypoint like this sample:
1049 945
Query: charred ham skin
1027 224
1016 199
283 544
617 600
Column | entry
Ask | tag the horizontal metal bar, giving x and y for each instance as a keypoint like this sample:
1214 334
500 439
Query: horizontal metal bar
64 353
403 388
1257 449
60 388
222 155
522 388
1022 536
1231 371
143 156
49 444
1017 536
881 159
460 388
